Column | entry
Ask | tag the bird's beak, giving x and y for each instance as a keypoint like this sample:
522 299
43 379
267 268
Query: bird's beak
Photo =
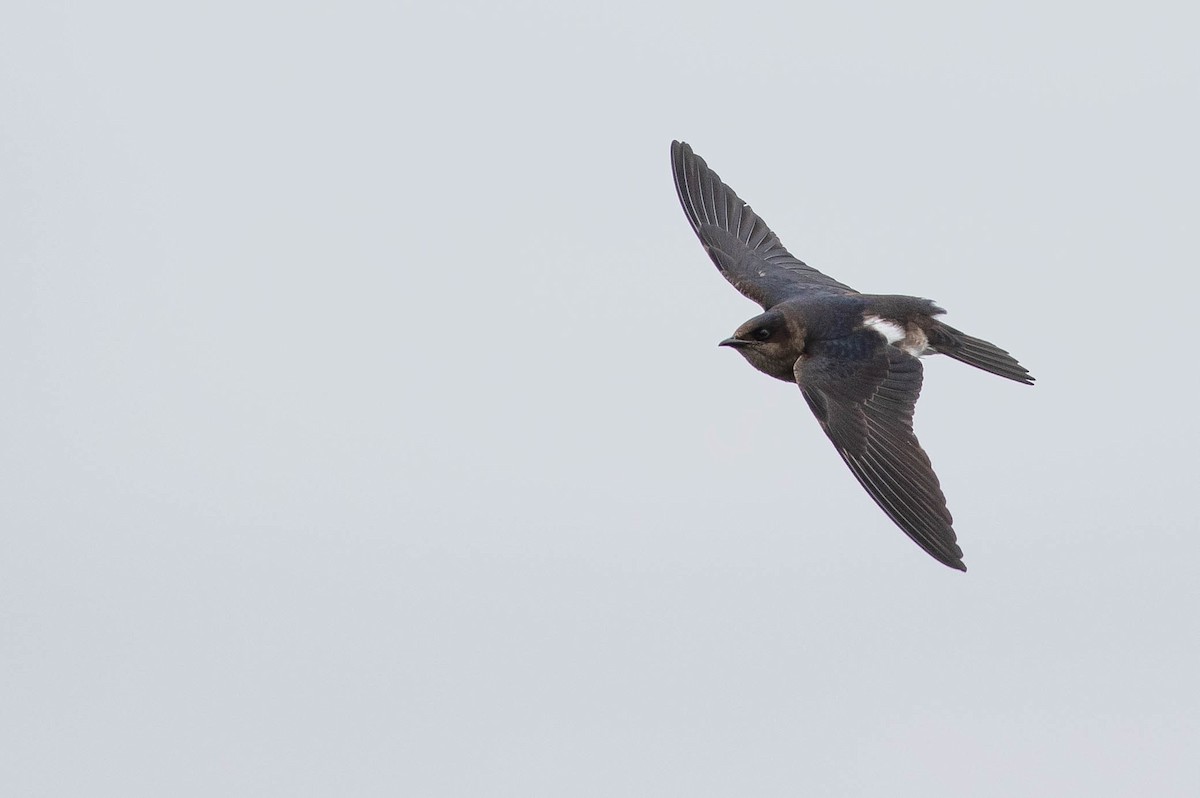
736 343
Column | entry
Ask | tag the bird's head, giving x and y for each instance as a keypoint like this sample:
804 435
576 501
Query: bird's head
769 343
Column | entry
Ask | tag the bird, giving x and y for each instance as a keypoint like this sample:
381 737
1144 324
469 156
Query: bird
854 356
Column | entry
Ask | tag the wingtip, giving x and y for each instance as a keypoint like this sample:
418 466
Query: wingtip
1020 374
681 155
952 558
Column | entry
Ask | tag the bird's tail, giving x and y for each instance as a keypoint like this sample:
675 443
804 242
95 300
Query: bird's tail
976 352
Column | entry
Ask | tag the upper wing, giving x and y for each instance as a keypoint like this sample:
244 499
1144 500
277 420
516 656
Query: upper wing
739 242
863 392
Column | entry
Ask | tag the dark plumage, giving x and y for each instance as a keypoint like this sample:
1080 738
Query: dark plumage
854 356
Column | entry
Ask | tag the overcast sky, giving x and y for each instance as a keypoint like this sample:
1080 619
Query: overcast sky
365 432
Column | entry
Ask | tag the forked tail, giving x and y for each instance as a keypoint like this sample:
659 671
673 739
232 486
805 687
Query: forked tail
977 352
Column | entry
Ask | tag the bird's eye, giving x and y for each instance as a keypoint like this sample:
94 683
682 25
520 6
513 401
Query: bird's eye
761 334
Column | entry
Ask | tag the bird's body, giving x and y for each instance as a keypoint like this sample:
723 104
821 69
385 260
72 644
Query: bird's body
854 356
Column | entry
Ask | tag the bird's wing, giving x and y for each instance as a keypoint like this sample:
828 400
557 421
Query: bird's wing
739 242
863 392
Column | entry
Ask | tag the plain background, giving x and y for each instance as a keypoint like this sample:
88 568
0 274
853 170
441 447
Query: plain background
365 433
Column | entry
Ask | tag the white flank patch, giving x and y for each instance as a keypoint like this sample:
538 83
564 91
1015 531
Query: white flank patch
914 342
890 330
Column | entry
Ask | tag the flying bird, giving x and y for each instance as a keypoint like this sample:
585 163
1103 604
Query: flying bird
854 356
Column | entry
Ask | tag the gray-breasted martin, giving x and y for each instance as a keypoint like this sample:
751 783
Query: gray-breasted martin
853 355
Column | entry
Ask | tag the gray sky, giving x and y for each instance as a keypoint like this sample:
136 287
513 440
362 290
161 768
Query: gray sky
365 431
